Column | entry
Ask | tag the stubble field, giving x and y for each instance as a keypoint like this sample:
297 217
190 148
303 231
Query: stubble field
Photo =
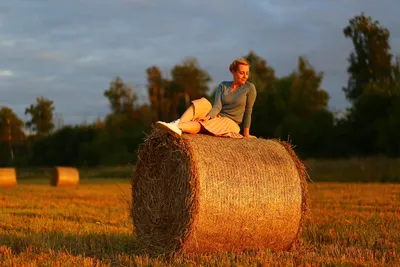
350 225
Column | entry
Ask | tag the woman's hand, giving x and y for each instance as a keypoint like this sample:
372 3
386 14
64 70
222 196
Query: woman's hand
246 133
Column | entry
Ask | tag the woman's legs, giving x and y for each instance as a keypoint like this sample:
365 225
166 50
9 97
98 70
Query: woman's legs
192 127
184 124
188 115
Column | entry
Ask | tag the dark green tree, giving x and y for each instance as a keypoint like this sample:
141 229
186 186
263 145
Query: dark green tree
267 113
306 120
371 59
160 93
121 96
376 117
124 127
41 114
261 74
306 95
189 81
373 89
69 146
11 134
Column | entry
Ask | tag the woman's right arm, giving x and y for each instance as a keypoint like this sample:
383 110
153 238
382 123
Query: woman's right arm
217 102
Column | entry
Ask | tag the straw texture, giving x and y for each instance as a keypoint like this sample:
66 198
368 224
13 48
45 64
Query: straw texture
8 177
201 193
64 176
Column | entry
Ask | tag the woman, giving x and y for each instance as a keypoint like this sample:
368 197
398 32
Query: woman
233 105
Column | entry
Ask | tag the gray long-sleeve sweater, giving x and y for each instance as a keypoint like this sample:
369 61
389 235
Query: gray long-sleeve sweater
238 105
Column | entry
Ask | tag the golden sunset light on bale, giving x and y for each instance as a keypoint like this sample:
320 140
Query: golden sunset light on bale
206 194
8 177
64 176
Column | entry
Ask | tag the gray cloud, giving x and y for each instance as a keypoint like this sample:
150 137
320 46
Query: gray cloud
69 51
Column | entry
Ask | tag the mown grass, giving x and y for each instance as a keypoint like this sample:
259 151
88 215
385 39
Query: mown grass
40 173
372 169
351 225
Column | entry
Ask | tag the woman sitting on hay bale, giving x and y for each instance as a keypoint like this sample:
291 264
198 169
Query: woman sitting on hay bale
233 105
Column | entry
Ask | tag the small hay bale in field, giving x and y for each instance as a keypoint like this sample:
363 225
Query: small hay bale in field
64 176
201 193
8 177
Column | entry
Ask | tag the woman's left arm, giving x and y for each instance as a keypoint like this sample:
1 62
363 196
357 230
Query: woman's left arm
246 132
251 98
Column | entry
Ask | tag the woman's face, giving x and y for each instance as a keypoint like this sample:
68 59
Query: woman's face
241 75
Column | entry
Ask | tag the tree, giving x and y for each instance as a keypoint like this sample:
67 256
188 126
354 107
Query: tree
371 60
374 118
121 96
388 141
306 120
41 116
306 95
389 86
157 88
267 108
169 97
295 108
373 88
189 80
70 145
123 129
261 75
125 112
11 131
378 115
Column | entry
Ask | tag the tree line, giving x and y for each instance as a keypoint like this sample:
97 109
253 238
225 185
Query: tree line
293 108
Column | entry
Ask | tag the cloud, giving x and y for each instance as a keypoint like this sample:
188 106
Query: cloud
89 59
69 51
50 56
44 79
6 73
7 42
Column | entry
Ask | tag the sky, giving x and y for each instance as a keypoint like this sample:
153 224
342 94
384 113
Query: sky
69 51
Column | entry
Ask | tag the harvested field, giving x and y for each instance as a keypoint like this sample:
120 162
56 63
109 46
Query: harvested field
352 224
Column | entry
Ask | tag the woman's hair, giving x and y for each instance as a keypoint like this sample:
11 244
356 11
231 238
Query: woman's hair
235 64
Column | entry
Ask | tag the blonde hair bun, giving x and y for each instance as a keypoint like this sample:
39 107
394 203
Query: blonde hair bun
235 64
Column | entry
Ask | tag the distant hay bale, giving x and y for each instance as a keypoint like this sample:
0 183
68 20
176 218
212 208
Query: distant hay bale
204 194
8 177
64 176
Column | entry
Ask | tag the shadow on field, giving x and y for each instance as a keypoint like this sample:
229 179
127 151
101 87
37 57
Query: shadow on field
92 245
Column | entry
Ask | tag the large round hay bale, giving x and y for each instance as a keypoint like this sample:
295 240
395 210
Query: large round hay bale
8 177
201 193
64 176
